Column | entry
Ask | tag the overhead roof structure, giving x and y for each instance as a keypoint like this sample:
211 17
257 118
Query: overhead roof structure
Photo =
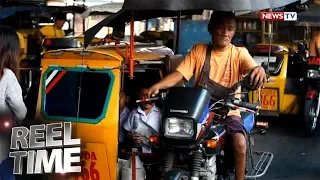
104 9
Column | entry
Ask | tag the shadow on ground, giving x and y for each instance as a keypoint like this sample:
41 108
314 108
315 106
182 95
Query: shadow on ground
296 157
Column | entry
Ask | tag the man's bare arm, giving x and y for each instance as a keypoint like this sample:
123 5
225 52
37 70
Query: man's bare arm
318 52
184 71
169 81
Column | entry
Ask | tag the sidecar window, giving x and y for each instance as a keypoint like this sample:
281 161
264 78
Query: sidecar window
64 89
275 62
145 78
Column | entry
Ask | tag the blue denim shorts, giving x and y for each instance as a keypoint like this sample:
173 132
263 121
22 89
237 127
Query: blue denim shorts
6 170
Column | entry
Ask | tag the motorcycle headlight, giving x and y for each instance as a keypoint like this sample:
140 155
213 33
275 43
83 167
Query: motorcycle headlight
175 127
312 73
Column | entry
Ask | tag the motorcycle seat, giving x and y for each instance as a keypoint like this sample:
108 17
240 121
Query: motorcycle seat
248 120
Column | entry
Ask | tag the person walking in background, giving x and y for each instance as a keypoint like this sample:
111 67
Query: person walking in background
314 46
12 107
53 31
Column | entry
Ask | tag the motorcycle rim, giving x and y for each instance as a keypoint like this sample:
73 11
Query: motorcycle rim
310 120
313 119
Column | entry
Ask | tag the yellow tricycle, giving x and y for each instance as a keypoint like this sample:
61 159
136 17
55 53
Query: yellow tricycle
281 94
83 87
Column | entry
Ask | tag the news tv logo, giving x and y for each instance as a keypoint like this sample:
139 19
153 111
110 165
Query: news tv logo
278 16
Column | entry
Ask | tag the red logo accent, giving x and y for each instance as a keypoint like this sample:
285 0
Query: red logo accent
272 16
314 61
311 93
209 122
278 16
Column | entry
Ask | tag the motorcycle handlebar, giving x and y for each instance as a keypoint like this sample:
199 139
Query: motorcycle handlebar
158 97
252 106
147 100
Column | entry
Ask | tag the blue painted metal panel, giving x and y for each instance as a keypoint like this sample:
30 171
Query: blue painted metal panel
9 11
191 33
248 120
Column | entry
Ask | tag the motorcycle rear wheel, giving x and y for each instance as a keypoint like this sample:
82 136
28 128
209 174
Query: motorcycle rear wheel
309 119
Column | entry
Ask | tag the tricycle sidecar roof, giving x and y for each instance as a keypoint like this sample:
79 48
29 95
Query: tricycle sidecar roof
142 52
280 47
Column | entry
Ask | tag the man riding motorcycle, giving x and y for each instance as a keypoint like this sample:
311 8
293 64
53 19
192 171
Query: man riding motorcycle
228 64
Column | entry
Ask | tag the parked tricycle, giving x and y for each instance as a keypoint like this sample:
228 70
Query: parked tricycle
281 94
93 79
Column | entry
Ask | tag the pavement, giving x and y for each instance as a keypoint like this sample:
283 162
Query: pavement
295 157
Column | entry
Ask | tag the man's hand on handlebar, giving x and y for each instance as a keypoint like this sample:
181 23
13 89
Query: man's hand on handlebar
258 77
151 92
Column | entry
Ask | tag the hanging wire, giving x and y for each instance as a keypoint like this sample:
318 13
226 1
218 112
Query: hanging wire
79 91
122 69
270 42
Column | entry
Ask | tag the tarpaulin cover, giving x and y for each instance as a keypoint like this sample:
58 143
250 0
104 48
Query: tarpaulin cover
312 15
104 9
217 5
10 11
147 9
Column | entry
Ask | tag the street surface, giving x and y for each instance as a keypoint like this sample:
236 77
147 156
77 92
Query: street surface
295 157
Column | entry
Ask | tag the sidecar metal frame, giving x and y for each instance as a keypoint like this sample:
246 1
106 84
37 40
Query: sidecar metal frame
262 165
265 158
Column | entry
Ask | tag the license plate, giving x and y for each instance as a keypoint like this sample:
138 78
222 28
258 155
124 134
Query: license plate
269 99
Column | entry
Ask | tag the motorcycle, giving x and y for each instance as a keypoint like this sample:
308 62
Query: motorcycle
194 138
312 103
307 68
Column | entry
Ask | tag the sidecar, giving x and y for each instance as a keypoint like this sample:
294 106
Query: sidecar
100 71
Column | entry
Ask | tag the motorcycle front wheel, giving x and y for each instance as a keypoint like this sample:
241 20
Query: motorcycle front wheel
176 174
309 116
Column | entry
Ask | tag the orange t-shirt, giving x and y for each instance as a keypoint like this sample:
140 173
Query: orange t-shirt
227 67
314 44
